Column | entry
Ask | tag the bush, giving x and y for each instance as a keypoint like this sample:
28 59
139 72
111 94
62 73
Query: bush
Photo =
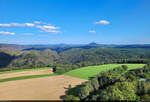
84 92
125 67
54 68
89 85
95 84
60 69
71 98
145 98
119 91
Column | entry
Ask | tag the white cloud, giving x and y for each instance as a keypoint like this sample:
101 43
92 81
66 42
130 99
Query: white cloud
51 31
47 27
102 22
27 33
18 25
37 22
5 25
7 33
29 24
92 31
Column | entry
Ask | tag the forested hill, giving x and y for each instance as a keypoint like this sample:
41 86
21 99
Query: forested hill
70 57
27 59
96 56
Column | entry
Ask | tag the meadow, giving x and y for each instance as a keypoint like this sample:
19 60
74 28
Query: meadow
26 69
83 73
26 77
90 71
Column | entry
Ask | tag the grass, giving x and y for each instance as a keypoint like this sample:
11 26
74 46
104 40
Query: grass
90 71
21 70
26 77
83 73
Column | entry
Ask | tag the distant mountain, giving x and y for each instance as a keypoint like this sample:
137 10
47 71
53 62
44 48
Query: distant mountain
63 47
134 46
93 44
11 46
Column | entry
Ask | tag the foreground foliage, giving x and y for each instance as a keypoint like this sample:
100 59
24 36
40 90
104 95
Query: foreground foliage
115 84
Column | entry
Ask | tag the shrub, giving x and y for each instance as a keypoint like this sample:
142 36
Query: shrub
84 92
71 98
95 84
125 67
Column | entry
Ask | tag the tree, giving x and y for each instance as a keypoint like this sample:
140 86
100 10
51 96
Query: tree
141 88
119 91
83 92
54 68
145 98
95 84
89 85
125 67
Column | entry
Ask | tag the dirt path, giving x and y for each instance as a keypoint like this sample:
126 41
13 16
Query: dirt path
47 88
26 73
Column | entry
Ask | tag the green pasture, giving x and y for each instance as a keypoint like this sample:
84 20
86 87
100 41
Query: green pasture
90 71
26 69
26 77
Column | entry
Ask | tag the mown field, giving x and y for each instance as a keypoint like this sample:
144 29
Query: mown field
90 71
26 77
83 73
27 69
44 88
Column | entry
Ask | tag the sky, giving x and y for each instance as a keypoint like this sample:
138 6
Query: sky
75 21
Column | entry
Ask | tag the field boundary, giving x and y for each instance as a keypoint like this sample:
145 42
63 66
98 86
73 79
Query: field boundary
22 70
26 77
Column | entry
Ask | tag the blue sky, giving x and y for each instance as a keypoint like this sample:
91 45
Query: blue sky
75 21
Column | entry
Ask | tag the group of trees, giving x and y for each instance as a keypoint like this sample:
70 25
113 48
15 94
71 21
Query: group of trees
101 81
115 84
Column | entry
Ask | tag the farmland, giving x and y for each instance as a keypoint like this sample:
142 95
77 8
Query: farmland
23 70
90 71
43 86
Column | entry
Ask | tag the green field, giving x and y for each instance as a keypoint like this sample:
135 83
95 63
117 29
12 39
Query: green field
83 73
26 77
90 71
27 69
